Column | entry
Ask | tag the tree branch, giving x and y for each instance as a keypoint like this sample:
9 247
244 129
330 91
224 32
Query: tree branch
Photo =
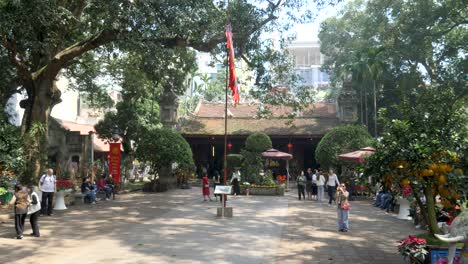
63 57
15 59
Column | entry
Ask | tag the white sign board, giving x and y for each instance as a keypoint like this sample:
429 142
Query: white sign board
223 189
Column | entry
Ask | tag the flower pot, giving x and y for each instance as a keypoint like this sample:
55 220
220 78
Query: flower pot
60 200
404 209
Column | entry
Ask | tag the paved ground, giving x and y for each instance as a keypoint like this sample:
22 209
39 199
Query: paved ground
178 227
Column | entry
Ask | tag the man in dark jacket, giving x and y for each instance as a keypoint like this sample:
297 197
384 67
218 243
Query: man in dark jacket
88 190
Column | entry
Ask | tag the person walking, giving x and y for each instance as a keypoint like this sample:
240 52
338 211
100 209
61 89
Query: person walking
21 203
301 185
206 187
34 211
48 186
235 181
342 208
320 186
331 185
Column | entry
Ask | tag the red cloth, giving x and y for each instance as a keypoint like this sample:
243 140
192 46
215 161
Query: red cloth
232 67
101 183
205 182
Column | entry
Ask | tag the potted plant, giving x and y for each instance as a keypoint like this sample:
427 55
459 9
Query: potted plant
413 248
62 186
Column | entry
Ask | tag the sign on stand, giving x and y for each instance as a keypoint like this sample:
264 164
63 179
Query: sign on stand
223 189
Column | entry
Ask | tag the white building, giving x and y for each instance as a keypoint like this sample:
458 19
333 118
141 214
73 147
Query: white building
308 60
73 107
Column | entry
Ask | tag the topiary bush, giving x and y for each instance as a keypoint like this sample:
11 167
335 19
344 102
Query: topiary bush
162 148
252 162
258 142
340 140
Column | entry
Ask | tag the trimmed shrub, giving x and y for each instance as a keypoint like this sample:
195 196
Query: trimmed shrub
340 140
258 142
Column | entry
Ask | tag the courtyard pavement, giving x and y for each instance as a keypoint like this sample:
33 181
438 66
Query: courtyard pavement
178 227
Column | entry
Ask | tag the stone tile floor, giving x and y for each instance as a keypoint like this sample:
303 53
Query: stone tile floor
178 227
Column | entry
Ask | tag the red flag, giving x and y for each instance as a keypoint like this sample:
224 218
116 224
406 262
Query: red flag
232 66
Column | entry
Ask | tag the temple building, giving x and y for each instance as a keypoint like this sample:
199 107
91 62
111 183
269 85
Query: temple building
204 130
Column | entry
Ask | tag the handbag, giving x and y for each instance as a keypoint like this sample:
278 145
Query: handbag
345 206
207 186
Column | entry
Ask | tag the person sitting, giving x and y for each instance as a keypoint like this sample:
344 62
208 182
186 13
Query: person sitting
386 201
102 186
378 199
88 190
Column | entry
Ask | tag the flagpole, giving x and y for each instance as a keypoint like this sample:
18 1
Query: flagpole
225 122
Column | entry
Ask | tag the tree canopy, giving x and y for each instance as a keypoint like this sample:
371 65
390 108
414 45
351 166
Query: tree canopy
164 147
83 39
397 47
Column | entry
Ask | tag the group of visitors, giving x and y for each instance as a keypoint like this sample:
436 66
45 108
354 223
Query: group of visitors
90 190
235 182
314 184
26 202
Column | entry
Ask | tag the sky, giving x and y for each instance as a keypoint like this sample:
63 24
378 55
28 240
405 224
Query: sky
309 32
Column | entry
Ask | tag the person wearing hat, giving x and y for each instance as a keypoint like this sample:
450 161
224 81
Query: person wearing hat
34 210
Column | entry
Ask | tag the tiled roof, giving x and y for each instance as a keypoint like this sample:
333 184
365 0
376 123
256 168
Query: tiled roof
99 144
250 111
208 120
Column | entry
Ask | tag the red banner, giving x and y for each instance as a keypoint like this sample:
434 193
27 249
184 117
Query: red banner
114 161
232 66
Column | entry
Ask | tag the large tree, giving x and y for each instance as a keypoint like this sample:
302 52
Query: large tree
42 39
392 47
416 52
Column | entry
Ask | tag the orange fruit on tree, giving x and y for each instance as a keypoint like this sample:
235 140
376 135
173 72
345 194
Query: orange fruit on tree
442 179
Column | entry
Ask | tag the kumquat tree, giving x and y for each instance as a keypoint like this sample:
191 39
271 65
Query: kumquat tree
423 152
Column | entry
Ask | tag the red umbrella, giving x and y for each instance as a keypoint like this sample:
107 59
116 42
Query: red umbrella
358 156
276 154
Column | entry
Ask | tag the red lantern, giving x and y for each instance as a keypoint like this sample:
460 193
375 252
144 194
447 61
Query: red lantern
229 146
290 145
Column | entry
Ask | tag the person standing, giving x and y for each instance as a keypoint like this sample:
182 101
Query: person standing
216 181
34 211
314 185
342 208
320 186
235 181
48 186
301 185
21 202
206 187
331 185
308 187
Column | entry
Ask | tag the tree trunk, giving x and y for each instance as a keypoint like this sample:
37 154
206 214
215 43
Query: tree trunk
430 209
42 96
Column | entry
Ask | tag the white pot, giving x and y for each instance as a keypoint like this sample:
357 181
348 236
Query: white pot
404 209
60 201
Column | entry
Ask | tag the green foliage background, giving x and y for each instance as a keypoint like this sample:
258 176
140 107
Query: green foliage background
340 140
162 147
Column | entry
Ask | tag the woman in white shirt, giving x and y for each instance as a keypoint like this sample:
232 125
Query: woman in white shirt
331 185
320 186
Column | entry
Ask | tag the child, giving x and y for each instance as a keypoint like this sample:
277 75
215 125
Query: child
206 187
